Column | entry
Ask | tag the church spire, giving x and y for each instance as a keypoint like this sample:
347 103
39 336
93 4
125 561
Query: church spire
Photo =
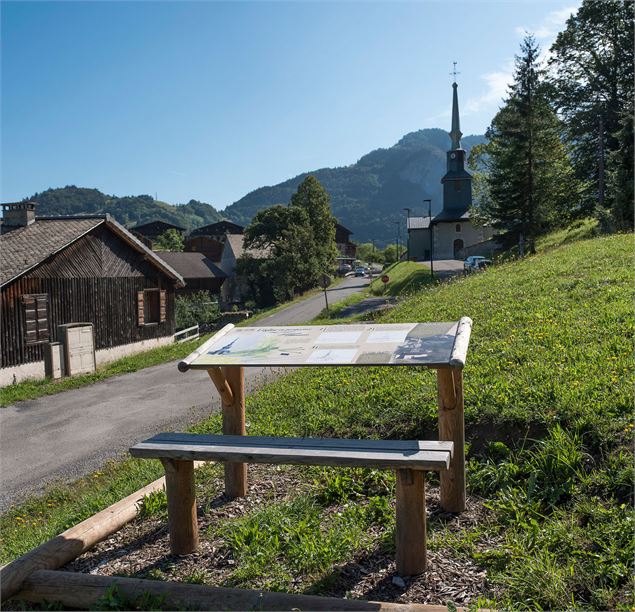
455 133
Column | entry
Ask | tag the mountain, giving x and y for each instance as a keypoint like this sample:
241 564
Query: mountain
129 210
367 197
370 195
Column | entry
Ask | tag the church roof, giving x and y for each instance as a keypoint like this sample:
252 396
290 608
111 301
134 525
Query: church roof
418 223
450 216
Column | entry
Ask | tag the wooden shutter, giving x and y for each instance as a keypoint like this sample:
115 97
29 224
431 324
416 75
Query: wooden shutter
141 312
36 318
163 306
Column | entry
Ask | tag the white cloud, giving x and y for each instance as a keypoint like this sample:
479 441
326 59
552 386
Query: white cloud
552 23
495 91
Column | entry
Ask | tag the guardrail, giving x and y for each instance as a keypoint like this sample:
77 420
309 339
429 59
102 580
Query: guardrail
196 334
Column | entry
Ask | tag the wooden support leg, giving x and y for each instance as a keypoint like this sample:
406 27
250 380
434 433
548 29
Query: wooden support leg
452 428
234 424
179 488
411 522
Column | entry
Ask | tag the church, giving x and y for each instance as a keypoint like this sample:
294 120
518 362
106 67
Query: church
452 233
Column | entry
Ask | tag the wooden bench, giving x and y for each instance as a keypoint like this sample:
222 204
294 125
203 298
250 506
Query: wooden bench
410 458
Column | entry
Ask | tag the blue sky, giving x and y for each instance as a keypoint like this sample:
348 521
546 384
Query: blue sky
209 100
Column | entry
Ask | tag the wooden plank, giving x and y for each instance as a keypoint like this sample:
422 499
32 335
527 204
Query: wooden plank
461 342
180 491
410 530
82 591
73 542
234 424
141 318
452 428
283 451
334 443
222 386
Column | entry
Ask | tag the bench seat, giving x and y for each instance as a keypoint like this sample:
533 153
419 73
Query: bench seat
409 458
383 454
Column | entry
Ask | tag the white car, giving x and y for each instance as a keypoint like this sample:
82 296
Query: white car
476 262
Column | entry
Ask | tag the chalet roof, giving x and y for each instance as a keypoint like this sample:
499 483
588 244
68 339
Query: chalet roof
23 248
220 227
340 227
415 223
191 265
154 225
236 242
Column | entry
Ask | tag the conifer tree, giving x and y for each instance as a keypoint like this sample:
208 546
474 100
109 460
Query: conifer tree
592 83
529 181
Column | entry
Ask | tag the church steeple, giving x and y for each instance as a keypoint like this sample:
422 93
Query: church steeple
457 182
455 133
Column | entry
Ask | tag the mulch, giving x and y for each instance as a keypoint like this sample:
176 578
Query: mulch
141 549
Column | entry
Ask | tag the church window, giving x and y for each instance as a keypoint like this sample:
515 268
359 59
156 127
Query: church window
458 227
457 185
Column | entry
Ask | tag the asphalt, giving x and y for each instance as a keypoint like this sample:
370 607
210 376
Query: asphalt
59 438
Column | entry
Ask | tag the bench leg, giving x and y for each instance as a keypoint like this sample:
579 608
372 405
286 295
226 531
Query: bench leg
452 428
411 522
234 424
182 523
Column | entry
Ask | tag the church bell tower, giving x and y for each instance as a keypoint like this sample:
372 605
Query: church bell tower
457 182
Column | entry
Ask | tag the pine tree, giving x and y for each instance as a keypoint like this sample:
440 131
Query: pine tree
620 164
592 82
529 181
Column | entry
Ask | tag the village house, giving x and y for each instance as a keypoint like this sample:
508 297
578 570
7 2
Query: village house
148 233
452 232
198 271
61 271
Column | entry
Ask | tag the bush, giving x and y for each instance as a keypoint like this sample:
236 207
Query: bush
200 307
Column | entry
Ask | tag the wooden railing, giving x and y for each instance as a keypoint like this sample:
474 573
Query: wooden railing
192 336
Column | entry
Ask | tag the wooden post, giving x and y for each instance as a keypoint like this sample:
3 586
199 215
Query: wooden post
411 522
179 488
234 424
452 428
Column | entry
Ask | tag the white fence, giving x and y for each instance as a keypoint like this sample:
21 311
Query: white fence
188 336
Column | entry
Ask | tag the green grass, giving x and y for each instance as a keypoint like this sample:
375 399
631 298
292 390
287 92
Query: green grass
32 389
579 230
549 426
406 278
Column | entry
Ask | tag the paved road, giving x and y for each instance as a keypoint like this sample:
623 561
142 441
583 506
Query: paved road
445 268
64 436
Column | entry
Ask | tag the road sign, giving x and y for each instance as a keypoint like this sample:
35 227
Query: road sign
326 280
385 278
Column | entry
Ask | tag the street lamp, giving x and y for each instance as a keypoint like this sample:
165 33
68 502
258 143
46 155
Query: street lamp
431 236
408 230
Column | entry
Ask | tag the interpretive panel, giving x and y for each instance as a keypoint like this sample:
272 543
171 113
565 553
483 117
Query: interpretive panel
411 344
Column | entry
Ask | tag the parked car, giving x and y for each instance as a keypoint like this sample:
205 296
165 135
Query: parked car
360 271
474 263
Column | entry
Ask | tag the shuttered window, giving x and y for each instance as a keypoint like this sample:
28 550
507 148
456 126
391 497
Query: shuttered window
152 306
36 318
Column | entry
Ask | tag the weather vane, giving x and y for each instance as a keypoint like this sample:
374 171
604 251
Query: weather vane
454 72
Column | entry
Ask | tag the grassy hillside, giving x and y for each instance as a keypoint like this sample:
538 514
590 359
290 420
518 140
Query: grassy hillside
549 424
549 405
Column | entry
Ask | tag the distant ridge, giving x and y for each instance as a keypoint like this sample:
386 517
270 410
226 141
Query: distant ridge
367 196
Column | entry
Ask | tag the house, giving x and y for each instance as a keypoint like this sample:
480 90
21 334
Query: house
343 242
89 269
198 271
218 230
149 232
234 290
452 232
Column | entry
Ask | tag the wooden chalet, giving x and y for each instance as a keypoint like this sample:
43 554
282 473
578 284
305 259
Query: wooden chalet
61 270
149 232
343 242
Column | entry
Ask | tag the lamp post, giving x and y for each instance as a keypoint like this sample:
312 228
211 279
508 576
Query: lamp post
431 236
408 230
